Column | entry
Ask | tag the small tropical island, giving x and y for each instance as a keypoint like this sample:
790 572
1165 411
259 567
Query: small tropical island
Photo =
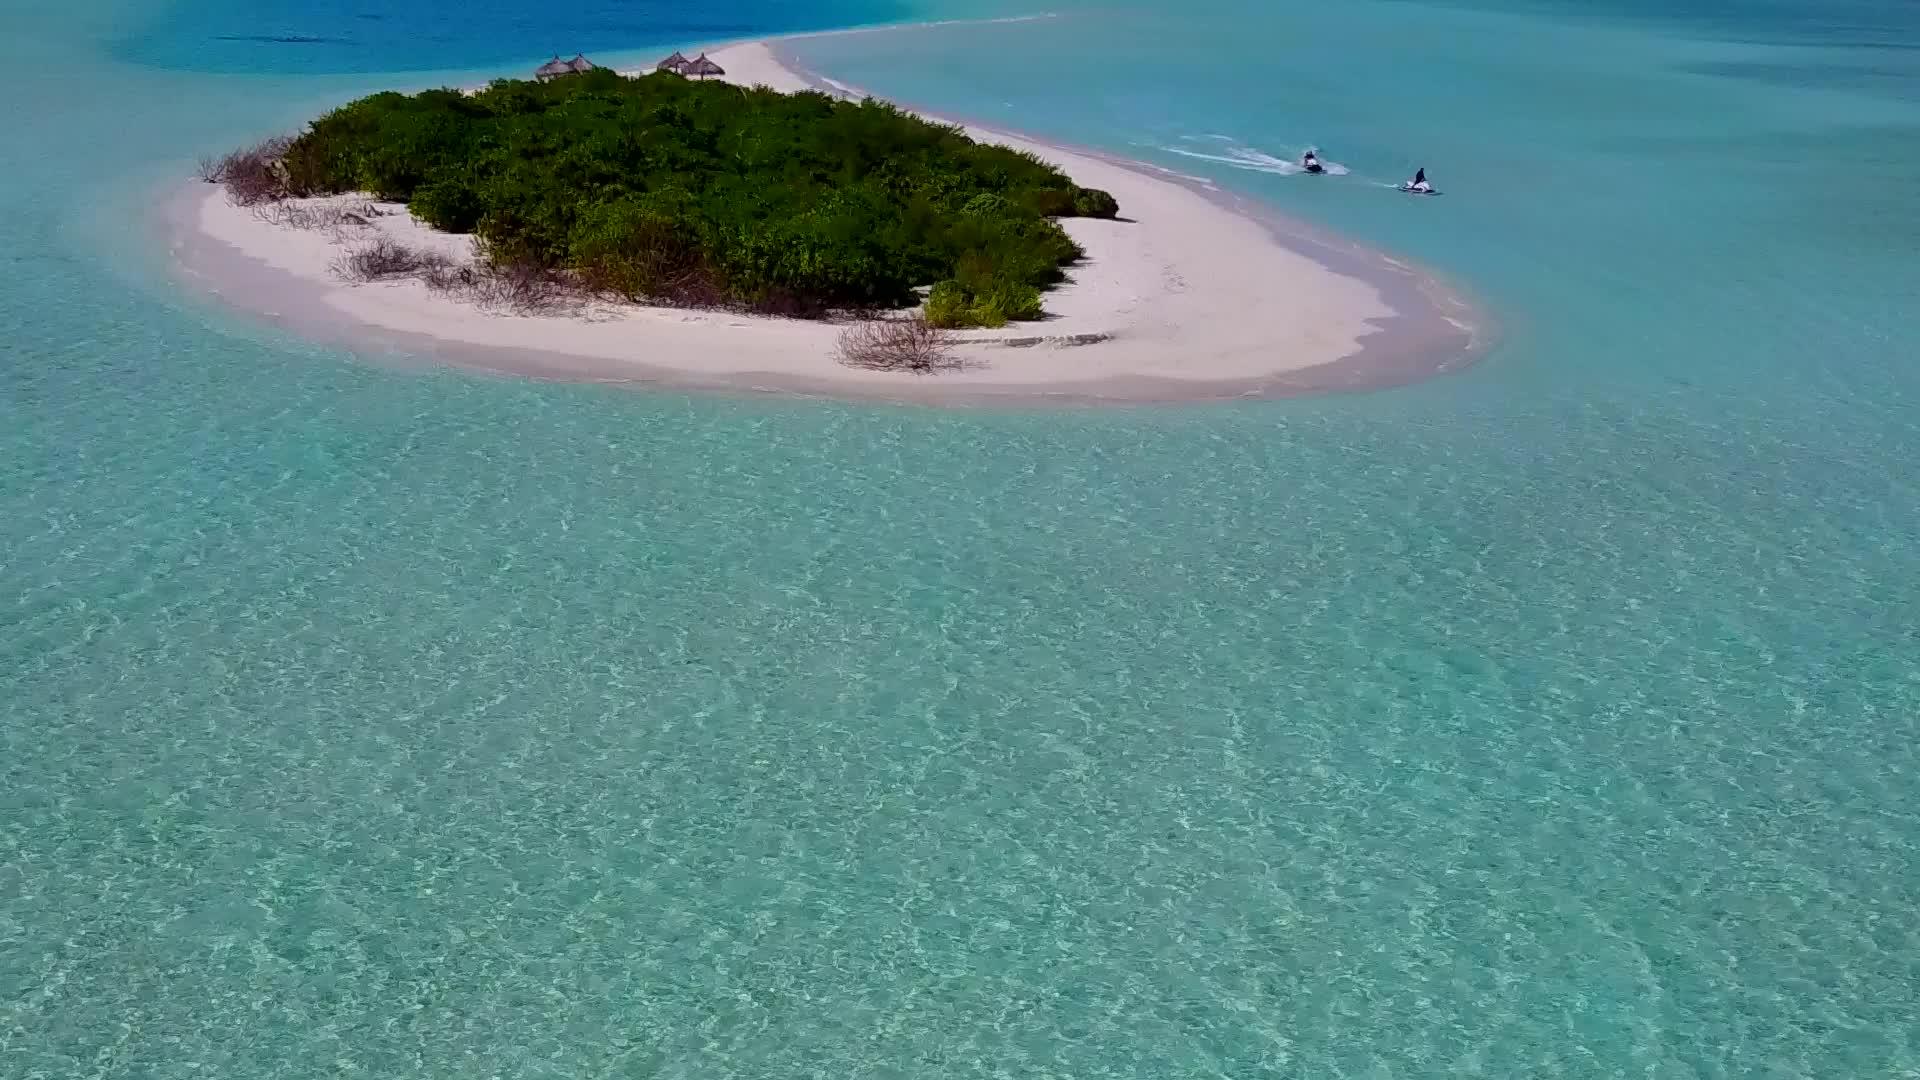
736 223
664 190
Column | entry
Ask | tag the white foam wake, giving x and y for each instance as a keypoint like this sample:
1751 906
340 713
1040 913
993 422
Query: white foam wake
1242 157
1246 157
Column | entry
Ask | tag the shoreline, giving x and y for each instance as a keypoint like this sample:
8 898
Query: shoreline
1203 296
1411 285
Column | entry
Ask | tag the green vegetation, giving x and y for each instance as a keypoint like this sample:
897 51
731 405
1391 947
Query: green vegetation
670 191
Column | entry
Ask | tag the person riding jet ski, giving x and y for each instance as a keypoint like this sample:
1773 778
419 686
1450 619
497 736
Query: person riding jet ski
1419 183
1311 163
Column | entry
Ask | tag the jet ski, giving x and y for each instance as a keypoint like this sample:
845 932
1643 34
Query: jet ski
1312 163
1418 185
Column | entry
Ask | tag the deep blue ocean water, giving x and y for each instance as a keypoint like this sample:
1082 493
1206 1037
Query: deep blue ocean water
364 36
1554 719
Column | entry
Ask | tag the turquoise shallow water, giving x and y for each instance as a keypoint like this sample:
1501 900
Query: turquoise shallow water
1553 719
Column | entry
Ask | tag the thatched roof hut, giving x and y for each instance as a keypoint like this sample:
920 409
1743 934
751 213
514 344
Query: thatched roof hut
701 67
557 67
672 63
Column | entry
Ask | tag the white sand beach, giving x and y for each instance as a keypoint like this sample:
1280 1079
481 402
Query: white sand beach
1189 299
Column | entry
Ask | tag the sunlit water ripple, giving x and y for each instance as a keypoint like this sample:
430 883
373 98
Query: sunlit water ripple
1553 719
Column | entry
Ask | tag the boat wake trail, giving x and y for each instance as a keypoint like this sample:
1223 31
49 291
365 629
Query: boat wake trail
1223 149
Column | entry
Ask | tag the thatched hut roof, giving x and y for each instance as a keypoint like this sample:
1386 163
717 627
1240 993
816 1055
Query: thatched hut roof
703 67
555 66
579 63
672 63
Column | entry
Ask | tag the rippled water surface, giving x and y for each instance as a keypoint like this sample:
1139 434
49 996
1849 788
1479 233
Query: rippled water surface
1553 719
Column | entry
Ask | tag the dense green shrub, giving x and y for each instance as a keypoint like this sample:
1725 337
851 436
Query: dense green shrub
634 246
949 305
990 302
690 192
1009 301
450 202
1050 201
1094 203
987 205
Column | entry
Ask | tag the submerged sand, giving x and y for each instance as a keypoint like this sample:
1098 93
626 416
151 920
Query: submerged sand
1187 297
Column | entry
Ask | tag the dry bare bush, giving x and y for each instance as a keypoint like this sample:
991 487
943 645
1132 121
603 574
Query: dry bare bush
513 288
450 281
252 175
385 259
340 221
908 343
523 290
